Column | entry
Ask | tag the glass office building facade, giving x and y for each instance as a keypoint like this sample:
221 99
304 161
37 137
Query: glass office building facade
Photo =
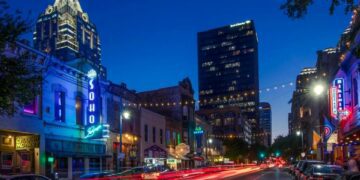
228 69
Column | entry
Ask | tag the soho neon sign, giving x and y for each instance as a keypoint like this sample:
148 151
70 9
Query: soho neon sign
92 103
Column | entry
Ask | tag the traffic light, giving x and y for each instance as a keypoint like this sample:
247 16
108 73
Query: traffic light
277 153
50 159
262 155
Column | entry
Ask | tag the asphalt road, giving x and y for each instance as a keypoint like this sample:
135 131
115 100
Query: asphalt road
267 174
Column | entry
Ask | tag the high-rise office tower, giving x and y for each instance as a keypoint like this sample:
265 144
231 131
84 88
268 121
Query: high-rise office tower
265 123
228 73
64 30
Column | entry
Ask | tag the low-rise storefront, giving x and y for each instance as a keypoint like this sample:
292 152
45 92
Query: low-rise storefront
19 152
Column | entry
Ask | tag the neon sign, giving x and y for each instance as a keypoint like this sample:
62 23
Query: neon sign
337 99
198 130
93 128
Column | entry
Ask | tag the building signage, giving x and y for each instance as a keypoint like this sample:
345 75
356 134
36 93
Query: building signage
337 99
198 130
339 84
93 130
27 142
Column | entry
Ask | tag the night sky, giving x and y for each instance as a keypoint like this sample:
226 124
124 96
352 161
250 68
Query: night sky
149 44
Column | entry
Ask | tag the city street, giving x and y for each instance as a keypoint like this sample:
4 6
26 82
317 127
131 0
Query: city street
208 90
272 173
251 173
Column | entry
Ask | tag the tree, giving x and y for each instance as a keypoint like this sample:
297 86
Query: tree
20 77
298 8
236 149
287 146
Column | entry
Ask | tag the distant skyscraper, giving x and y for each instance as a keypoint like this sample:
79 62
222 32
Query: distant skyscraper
65 31
228 70
265 122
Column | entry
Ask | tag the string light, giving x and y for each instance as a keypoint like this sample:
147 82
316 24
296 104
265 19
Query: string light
218 99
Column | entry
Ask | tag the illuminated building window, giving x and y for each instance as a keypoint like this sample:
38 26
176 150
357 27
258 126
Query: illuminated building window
226 43
31 108
59 106
231 48
231 65
217 122
212 68
205 64
231 88
79 106
228 121
235 53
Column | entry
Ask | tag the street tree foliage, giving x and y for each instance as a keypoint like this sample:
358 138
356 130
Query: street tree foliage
236 149
298 8
289 146
20 78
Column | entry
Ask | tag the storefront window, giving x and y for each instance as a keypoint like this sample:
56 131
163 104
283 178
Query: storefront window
78 164
6 160
61 164
94 164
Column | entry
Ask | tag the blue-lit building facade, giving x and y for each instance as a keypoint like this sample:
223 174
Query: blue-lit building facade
265 123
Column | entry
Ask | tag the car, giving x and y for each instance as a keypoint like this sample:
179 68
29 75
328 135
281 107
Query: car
322 171
24 177
305 165
297 167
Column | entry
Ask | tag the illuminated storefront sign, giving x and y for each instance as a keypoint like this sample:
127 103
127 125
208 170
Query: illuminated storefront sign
337 100
339 84
198 130
93 130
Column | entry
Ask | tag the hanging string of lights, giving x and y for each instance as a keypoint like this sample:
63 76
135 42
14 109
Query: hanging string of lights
238 136
229 98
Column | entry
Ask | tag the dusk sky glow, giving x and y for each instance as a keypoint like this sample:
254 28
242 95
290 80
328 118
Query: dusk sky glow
152 44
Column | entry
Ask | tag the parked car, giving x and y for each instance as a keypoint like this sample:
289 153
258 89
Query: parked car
322 171
292 167
24 177
305 165
351 176
297 167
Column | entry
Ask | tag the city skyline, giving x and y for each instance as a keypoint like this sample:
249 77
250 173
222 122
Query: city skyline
141 58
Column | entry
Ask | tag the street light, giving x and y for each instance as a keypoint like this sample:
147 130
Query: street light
210 141
125 115
298 133
318 89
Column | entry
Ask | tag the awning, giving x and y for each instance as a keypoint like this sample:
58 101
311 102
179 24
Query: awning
198 158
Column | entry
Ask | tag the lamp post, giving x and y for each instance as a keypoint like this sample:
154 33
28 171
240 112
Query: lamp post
298 133
125 115
209 141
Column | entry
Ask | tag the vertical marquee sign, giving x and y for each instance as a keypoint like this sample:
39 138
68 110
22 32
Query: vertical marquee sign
93 130
337 99
198 135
